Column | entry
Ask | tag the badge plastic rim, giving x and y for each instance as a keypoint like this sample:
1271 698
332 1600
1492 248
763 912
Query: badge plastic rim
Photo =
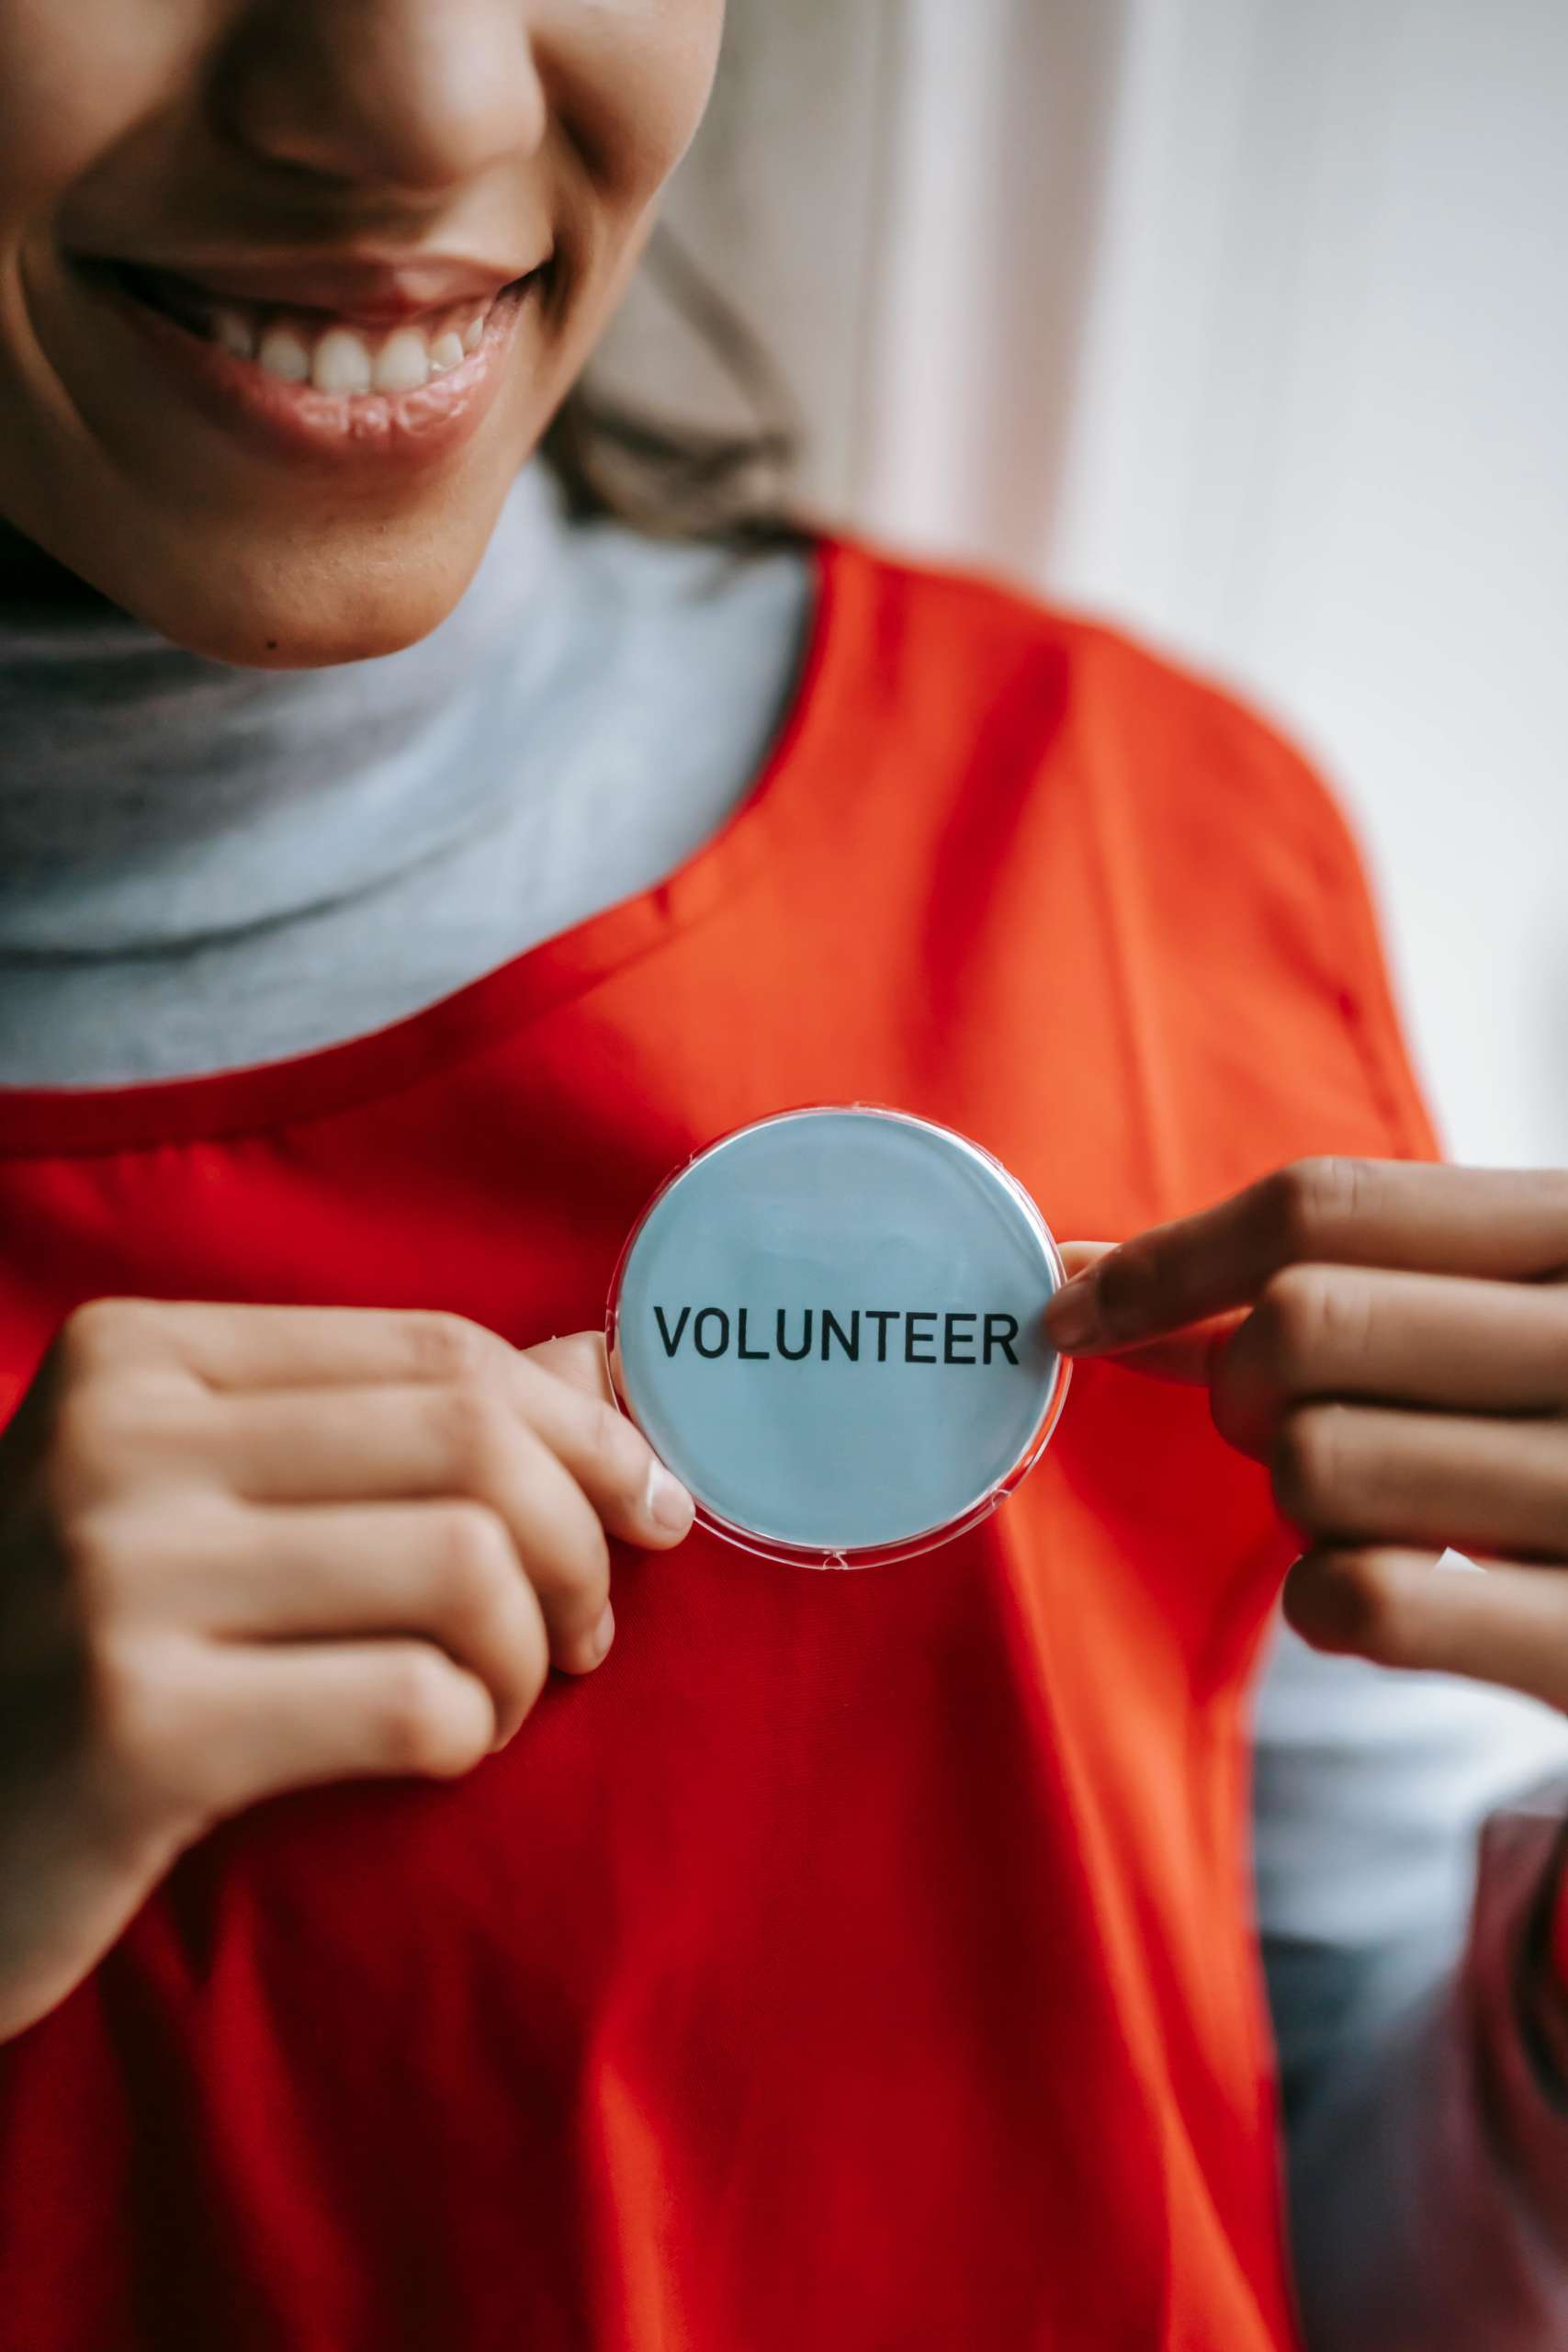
930 1539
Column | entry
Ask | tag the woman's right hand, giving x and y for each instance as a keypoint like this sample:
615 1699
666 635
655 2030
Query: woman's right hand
244 1549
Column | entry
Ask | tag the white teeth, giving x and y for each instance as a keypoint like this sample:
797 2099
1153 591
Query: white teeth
402 363
283 353
341 360
235 333
341 364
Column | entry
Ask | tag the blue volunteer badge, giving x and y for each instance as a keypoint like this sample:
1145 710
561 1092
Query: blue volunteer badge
829 1325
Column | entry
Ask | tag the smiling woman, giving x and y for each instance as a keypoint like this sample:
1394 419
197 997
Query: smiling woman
448 1899
225 262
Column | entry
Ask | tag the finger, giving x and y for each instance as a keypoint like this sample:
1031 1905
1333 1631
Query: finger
1490 1222
446 1572
1362 1473
301 1446
241 1349
452 1444
1079 1256
573 1410
580 1360
1186 1357
243 1346
560 1540
562 1388
1431 1339
1509 1626
261 1721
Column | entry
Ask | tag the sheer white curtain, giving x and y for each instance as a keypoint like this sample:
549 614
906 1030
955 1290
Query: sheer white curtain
1245 323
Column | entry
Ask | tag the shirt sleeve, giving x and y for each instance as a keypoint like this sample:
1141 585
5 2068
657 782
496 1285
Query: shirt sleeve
1408 1891
1413 1907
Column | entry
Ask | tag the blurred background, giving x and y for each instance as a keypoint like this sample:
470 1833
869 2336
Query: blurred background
1242 323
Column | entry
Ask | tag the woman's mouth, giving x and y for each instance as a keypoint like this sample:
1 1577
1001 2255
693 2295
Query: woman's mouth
300 346
305 380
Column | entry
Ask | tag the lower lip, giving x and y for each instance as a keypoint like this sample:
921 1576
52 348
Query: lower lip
371 432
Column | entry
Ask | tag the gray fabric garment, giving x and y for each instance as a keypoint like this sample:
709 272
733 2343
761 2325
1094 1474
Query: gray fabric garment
202 867
1428 2152
1429 2193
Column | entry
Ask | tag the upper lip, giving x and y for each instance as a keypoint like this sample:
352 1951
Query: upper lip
375 288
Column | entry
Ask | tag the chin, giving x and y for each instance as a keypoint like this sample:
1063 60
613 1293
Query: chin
340 604
296 639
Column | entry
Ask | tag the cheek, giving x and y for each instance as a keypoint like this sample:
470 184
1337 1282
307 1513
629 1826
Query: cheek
74 79
631 80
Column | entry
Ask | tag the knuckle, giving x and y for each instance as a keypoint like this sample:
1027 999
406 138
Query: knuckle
1307 1463
126 1705
1308 1316
100 1331
480 1431
1314 1198
566 1553
413 1730
533 1667
1288 1318
148 1740
100 1556
93 1424
614 1452
579 1359
575 1574
448 1347
486 1620
476 1559
1373 1610
116 1435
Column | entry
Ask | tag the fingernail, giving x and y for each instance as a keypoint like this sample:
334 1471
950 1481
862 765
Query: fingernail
667 1503
604 1633
1072 1319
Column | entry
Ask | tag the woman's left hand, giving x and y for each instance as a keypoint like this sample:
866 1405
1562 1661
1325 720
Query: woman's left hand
1400 1365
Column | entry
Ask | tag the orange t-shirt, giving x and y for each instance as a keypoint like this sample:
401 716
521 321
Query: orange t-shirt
856 1963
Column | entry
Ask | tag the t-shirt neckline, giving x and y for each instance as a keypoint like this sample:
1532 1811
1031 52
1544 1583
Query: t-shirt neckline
44 1121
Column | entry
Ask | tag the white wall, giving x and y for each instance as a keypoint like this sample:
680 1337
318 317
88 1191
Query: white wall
1320 440
1246 321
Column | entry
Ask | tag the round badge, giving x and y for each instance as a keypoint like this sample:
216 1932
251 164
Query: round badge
829 1325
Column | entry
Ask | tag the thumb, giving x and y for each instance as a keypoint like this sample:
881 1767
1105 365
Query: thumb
579 1360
